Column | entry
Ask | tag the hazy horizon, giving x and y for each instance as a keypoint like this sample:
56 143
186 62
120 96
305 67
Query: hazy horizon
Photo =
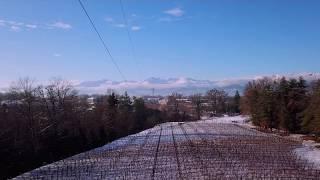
164 86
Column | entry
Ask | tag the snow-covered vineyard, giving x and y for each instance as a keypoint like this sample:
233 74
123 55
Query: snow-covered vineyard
193 150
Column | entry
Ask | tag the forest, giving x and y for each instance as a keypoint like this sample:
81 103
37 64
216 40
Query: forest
42 124
290 105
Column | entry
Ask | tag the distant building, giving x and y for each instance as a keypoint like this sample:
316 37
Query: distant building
153 102
90 100
152 99
91 103
163 101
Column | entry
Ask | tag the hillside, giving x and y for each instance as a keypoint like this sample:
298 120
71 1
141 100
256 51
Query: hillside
216 148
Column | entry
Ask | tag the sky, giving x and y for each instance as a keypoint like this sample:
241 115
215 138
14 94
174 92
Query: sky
201 39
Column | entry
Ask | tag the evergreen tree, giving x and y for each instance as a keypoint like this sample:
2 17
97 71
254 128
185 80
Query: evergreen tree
260 102
296 104
249 104
311 120
236 102
268 106
111 115
283 95
125 104
124 121
140 115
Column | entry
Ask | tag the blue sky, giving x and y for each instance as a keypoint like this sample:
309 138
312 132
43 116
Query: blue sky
200 39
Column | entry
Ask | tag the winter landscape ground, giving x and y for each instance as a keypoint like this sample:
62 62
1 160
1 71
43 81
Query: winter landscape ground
216 148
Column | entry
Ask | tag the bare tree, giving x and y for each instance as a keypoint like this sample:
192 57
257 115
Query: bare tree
217 100
56 97
196 100
173 103
23 95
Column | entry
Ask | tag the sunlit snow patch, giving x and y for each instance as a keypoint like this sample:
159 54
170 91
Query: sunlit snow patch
228 119
309 152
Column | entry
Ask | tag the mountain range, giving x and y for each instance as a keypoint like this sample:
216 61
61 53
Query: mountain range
186 86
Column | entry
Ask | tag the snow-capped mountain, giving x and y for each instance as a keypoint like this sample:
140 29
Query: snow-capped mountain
166 86
187 86
159 85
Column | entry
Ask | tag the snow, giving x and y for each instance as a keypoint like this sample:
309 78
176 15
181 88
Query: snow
226 151
227 119
296 137
309 152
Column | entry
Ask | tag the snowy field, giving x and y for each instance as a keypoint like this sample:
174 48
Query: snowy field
216 148
309 152
227 119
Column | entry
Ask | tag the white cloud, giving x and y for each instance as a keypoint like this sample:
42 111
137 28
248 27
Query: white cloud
176 12
165 19
109 19
135 28
18 26
15 23
61 25
168 19
15 28
120 25
57 55
31 26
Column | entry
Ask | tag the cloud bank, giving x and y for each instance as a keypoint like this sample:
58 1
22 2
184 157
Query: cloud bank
165 86
20 26
177 12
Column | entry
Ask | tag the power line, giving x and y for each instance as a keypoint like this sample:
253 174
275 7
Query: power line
102 41
128 31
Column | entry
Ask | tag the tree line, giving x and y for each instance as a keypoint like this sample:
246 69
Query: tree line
42 124
214 102
292 105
